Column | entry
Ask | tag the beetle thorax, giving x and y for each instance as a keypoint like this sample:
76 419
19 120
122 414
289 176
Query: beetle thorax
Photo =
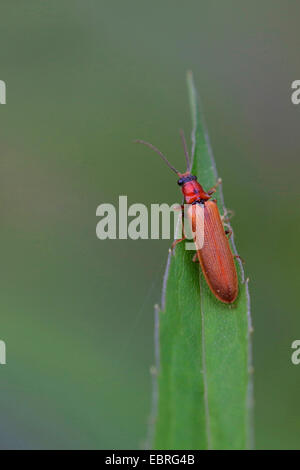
191 189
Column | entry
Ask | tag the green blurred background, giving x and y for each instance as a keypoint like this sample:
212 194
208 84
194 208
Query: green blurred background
84 78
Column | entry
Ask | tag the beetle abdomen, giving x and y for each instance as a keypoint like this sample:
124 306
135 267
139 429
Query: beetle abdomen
215 255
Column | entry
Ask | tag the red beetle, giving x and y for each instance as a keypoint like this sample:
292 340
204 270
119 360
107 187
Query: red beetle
215 256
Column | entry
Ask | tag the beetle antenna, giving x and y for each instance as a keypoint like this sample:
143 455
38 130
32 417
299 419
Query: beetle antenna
159 153
186 153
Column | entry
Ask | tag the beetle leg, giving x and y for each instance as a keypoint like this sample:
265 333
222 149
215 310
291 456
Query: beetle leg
228 214
228 232
225 224
239 257
214 188
177 241
195 258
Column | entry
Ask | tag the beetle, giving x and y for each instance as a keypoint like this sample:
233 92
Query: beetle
214 253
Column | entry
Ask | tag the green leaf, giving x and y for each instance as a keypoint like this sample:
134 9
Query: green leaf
203 392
